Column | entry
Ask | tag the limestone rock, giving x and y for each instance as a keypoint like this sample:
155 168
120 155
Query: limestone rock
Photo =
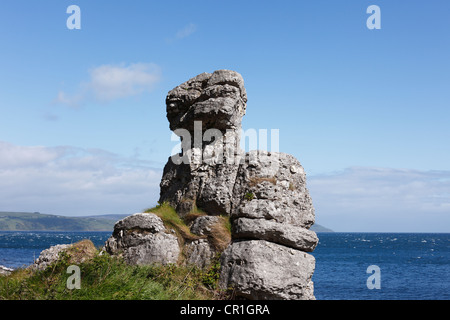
262 270
76 253
218 100
142 239
216 238
49 256
277 182
206 112
291 236
199 253
4 271
203 225
144 221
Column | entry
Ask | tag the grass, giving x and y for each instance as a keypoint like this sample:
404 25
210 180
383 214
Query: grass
105 277
172 220
220 235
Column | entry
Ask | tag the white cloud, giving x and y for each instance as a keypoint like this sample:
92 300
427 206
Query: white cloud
186 31
111 82
18 156
74 181
382 199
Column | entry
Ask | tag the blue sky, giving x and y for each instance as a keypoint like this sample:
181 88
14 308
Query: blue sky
83 128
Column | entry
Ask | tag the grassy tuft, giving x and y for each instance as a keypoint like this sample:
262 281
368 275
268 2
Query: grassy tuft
220 235
173 221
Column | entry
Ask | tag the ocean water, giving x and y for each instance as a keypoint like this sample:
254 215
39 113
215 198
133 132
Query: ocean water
412 266
20 248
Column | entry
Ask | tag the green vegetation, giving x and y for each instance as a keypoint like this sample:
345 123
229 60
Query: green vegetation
105 277
219 236
173 221
249 196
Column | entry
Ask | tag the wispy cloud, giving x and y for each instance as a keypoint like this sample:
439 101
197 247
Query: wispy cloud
382 199
70 180
111 82
185 32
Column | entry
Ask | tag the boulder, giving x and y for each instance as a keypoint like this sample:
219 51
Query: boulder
143 239
4 271
76 253
49 256
262 270
277 184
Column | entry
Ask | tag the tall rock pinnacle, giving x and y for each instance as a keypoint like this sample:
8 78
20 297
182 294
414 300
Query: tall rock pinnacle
264 193
206 112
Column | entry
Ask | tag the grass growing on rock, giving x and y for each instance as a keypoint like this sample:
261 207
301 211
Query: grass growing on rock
172 220
105 277
220 235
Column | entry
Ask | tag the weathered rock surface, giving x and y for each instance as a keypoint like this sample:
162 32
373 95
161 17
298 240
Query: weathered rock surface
270 230
76 253
272 213
200 253
277 182
218 100
142 239
206 112
49 256
4 271
263 270
203 225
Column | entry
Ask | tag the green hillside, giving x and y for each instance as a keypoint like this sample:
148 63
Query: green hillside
319 228
27 221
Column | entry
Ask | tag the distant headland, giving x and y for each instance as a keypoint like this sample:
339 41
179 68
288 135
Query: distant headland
35 221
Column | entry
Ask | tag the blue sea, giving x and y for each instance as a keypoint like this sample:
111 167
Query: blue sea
410 266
